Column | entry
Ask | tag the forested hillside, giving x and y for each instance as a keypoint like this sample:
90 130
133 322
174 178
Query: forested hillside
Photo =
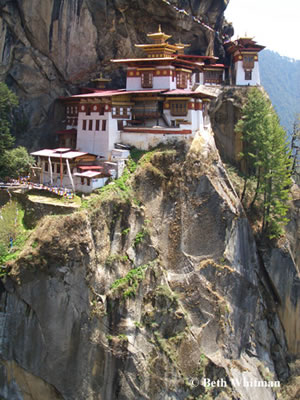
280 76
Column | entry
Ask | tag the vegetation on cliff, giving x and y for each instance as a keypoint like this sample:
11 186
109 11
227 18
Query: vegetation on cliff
17 161
295 147
266 159
8 100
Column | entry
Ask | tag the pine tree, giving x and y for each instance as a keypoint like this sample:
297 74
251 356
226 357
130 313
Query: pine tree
266 157
252 125
8 100
295 148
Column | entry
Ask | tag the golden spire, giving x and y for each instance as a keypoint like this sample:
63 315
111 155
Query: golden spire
101 81
159 37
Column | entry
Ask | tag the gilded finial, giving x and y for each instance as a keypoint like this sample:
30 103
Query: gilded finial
159 28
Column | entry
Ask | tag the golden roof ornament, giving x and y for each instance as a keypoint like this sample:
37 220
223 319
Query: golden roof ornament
101 81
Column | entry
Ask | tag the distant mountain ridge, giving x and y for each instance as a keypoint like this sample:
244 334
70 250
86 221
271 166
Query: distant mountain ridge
280 76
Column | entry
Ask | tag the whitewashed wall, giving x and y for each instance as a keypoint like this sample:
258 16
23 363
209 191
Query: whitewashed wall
240 74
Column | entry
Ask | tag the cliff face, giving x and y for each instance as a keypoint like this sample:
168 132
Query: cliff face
49 48
144 294
283 259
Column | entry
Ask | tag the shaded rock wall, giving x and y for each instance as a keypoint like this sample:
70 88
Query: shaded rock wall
279 263
225 112
193 307
49 48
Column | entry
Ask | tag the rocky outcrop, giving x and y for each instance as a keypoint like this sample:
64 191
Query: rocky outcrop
155 287
225 111
48 49
279 262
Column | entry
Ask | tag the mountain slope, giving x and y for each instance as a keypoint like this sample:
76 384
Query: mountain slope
144 293
280 76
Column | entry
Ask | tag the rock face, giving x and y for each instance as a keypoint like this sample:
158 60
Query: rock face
152 289
48 49
225 111
284 259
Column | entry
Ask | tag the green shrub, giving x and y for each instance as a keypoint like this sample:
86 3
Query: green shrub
128 285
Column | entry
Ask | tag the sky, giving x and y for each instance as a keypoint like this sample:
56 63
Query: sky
273 23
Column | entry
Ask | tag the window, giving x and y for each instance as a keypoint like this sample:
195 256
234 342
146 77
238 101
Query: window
248 62
88 110
82 181
104 125
248 75
181 80
46 166
88 181
58 168
65 169
179 108
120 125
101 111
97 124
215 77
53 166
84 125
90 124
147 79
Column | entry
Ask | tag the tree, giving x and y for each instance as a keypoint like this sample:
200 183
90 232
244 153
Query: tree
295 148
8 100
252 126
16 162
266 157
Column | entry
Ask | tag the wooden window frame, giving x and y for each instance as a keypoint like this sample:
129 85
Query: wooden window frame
84 124
179 108
147 79
181 80
90 124
248 62
214 77
248 75
103 125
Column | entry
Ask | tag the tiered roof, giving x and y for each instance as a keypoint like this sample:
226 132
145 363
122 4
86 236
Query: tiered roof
162 53
243 44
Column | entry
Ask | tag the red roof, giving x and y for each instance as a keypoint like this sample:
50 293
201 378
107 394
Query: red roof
63 131
214 66
195 56
108 93
100 93
145 91
90 167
